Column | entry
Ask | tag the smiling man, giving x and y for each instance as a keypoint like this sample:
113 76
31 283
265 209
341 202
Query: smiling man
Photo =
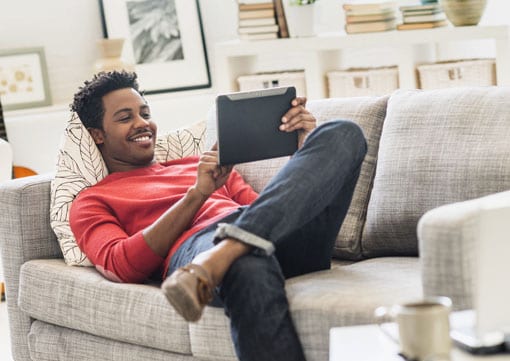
199 227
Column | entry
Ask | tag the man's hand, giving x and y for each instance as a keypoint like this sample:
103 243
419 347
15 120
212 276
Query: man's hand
300 119
210 175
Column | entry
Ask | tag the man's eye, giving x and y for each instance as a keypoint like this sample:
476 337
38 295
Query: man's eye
146 115
125 119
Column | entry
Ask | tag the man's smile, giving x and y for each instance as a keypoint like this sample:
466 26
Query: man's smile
145 137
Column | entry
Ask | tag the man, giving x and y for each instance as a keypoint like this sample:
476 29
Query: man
202 227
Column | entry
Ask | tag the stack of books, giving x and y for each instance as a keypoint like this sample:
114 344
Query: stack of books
370 17
257 20
422 17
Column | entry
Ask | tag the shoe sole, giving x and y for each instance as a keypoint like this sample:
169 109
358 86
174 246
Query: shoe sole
182 302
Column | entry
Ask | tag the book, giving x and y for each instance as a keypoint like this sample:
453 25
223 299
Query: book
258 29
383 16
415 26
368 8
368 27
421 12
423 18
433 7
253 14
256 22
259 6
260 36
280 18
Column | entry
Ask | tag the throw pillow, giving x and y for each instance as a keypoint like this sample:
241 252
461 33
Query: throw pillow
437 147
369 113
80 165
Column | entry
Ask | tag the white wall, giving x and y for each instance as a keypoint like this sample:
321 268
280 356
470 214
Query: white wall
68 31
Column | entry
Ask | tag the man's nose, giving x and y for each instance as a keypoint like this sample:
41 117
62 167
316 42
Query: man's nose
140 121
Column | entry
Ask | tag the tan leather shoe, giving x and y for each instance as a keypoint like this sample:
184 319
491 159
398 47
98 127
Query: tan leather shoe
188 290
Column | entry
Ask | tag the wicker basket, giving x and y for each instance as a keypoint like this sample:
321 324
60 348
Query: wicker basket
272 80
473 72
362 82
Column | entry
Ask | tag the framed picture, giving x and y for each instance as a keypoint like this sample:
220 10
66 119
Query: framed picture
23 79
3 132
164 41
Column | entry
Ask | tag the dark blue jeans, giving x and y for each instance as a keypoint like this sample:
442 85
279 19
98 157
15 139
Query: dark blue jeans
300 211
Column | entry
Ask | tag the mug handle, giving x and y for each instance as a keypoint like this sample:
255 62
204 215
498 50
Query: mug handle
382 314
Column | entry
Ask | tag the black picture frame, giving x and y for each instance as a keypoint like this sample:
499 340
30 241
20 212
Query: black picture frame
164 40
3 131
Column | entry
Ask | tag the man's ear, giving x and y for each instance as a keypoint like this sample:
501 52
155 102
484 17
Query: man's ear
97 134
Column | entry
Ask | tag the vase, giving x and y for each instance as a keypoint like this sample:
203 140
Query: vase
110 58
300 19
463 12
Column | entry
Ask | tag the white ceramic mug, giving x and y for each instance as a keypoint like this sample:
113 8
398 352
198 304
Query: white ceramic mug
423 328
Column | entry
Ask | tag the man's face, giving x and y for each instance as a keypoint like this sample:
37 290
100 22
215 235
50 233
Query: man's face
128 136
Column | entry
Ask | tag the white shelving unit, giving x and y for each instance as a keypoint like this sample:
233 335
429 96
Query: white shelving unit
318 55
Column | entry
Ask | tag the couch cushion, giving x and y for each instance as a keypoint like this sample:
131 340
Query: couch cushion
346 295
369 113
80 298
49 342
80 165
436 147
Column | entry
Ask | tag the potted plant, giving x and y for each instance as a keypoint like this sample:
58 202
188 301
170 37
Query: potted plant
300 16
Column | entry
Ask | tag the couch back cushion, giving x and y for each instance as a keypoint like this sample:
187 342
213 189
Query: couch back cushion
437 147
369 113
80 165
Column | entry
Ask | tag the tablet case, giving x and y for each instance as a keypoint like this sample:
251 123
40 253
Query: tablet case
248 125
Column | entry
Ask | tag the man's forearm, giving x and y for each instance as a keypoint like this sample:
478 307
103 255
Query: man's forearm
163 233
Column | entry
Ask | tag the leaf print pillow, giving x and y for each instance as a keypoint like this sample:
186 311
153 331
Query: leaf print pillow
80 165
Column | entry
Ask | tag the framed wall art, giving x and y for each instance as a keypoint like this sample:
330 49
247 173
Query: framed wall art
164 41
23 78
3 132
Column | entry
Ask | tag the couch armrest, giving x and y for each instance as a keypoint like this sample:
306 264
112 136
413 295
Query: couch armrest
25 234
448 240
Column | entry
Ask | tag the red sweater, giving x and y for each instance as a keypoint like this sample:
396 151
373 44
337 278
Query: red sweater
108 218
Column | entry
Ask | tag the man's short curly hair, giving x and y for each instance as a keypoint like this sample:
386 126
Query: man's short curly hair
88 101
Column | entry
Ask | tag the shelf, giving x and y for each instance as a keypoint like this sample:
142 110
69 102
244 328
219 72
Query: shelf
317 55
328 41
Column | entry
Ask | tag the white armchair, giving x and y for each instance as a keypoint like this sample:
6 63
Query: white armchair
5 161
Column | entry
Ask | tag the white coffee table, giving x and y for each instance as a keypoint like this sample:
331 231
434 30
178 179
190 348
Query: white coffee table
369 343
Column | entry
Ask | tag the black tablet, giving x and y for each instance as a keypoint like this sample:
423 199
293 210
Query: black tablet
248 125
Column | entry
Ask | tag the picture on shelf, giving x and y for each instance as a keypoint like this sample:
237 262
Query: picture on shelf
155 32
164 41
23 78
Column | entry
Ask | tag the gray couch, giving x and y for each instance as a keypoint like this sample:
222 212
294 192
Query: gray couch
444 148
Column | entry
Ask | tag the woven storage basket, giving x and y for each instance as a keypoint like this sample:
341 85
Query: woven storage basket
362 82
473 72
272 80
